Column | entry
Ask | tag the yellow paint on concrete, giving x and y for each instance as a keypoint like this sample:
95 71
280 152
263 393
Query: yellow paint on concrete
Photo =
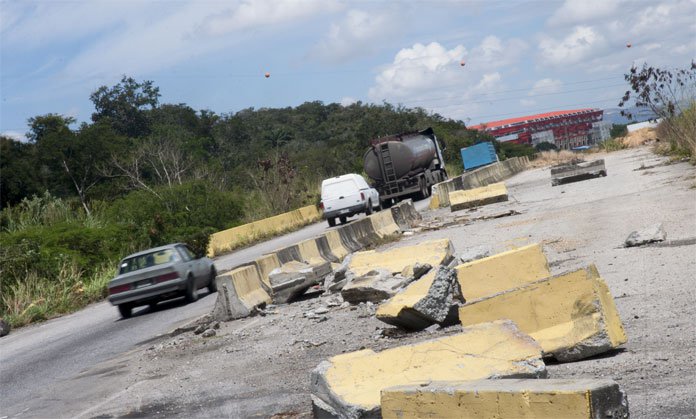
503 271
383 223
558 312
494 349
485 195
502 399
229 239
309 252
434 199
336 245
395 260
247 285
406 298
264 265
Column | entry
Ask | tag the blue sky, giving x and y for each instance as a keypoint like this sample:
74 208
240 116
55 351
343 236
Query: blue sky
520 57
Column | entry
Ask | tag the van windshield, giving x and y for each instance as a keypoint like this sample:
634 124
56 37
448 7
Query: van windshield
338 189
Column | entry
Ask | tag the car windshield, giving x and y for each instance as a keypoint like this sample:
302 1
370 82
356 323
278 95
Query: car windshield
338 189
148 260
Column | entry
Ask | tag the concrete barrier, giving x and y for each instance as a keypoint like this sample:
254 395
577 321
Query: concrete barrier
405 214
509 398
383 223
434 252
309 252
240 291
349 385
226 240
485 195
572 316
503 271
358 234
264 265
483 176
335 243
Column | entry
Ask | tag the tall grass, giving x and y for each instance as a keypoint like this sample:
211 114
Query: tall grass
680 134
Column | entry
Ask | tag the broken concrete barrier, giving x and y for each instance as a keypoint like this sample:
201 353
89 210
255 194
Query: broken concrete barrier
577 171
572 316
384 224
509 398
264 265
349 385
434 253
429 300
239 293
336 280
294 278
477 197
405 214
502 271
652 234
333 238
375 286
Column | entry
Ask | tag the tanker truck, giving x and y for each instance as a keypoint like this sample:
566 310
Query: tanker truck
405 165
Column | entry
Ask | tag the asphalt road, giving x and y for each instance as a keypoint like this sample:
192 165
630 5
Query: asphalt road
38 362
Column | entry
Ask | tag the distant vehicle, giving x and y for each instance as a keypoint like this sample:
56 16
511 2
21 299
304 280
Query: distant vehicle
405 164
159 274
347 195
478 155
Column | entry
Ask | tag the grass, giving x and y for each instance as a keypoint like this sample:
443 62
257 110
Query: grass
552 158
37 298
613 144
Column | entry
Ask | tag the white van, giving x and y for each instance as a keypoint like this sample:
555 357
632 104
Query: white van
347 195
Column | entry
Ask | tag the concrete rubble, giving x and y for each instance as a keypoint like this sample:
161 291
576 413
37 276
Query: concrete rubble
576 171
477 197
375 286
652 234
349 385
294 278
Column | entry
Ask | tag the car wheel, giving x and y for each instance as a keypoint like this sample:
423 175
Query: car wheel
153 306
332 222
343 219
212 285
126 310
368 211
191 291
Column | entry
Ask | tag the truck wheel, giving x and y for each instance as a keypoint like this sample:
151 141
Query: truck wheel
126 310
332 222
387 203
368 211
423 193
343 219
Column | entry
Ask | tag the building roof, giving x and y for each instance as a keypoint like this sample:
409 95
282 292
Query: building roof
531 118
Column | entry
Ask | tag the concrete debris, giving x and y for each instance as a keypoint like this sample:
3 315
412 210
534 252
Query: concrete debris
375 286
434 252
349 385
415 271
321 310
577 171
652 234
334 301
336 280
365 310
209 333
405 214
572 316
432 299
473 253
200 329
513 398
477 197
294 278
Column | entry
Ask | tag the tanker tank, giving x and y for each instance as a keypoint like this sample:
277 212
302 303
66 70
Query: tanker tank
411 155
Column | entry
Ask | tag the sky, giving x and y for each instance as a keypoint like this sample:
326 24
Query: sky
474 61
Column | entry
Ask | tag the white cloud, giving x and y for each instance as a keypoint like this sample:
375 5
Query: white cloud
582 43
545 86
15 135
347 101
578 11
358 34
527 102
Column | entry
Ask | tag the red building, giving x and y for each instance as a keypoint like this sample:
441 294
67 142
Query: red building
565 129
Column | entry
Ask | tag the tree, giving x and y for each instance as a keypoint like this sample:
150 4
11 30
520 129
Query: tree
125 104
42 125
18 171
618 130
545 146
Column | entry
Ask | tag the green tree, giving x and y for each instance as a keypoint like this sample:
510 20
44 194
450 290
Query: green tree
545 146
618 130
124 105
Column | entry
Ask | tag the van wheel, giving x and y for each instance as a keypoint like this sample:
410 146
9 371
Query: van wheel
368 211
343 219
332 222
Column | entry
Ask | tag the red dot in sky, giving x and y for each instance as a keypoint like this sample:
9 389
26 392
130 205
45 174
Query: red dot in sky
267 75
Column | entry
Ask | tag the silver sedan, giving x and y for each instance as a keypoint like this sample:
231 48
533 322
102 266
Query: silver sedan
159 274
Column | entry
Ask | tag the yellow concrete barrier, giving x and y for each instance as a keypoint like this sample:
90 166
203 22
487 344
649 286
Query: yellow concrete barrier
509 398
229 239
336 245
309 252
264 265
434 252
383 223
503 271
240 291
470 198
572 315
349 385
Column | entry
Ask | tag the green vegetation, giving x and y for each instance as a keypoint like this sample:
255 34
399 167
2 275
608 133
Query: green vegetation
77 198
618 130
545 146
611 145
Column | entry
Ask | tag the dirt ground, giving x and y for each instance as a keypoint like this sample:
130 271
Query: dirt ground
260 366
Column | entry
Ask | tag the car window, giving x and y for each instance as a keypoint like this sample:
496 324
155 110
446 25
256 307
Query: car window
186 253
338 189
148 260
